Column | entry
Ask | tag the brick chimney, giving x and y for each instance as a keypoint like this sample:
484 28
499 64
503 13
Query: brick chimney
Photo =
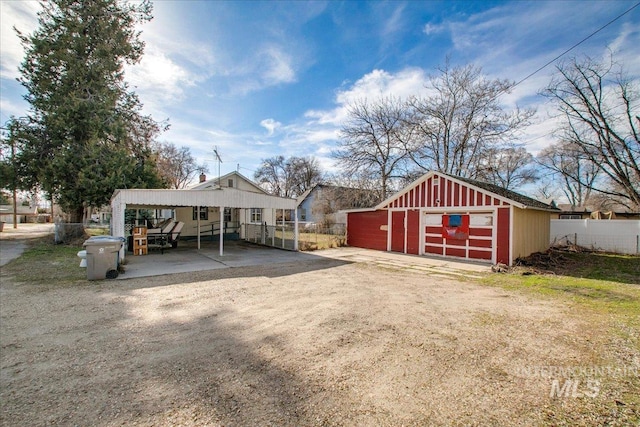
203 177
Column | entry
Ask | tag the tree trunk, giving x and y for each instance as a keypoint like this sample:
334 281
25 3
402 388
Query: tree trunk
76 215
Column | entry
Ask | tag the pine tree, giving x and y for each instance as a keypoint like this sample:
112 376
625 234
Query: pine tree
93 137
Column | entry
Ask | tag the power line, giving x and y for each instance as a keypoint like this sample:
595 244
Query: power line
577 44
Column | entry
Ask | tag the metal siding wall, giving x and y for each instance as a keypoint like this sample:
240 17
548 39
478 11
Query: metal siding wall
531 231
363 230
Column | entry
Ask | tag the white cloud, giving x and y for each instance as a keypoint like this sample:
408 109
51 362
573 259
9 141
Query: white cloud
270 125
376 84
277 66
23 16
431 28
159 74
394 22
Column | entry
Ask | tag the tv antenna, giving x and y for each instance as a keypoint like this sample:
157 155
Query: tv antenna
219 160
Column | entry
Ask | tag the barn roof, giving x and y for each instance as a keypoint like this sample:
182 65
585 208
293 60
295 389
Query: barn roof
511 195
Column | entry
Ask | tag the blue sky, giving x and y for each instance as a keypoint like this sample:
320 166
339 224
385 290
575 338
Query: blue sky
259 79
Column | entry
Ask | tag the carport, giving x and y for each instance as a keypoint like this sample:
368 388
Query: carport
219 198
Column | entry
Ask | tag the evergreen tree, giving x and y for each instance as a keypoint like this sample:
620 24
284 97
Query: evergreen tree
92 137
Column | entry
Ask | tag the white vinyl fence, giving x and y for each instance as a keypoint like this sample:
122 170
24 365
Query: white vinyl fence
619 236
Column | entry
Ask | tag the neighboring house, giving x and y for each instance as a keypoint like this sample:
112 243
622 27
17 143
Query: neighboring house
322 204
23 214
569 211
440 214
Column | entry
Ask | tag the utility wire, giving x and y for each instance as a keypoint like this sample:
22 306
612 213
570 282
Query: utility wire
577 44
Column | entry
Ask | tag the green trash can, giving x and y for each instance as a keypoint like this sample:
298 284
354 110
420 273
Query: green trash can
103 257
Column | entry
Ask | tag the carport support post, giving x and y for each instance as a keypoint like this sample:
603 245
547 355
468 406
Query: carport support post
198 222
221 230
295 229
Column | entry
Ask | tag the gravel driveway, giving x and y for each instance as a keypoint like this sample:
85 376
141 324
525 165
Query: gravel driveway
323 342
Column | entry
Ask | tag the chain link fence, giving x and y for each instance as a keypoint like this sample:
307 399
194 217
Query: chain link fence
309 238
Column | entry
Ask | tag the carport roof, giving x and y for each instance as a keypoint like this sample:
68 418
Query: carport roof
226 197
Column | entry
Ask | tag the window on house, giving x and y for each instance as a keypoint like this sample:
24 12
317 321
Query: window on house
303 214
227 214
230 183
570 216
256 215
204 213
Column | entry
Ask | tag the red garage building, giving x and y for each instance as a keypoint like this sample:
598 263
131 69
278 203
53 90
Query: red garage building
439 214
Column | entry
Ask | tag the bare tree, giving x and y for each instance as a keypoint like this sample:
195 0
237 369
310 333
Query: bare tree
176 166
374 140
599 106
508 168
575 173
305 173
460 123
366 188
288 177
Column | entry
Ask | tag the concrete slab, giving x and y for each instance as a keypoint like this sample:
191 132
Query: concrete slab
393 258
187 258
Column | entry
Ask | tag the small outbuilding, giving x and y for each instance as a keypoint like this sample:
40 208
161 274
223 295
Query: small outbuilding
443 215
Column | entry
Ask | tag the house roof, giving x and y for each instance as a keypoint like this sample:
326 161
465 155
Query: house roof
508 196
340 190
212 184
20 210
301 198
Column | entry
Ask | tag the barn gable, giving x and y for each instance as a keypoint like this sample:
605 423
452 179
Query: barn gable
439 190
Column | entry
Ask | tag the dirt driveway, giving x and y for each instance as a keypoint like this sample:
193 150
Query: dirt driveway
323 342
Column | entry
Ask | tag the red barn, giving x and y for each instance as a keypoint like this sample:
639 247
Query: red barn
439 214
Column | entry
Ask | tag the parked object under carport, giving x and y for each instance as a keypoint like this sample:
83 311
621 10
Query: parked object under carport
103 257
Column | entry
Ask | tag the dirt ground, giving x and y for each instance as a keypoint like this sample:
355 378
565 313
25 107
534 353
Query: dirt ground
323 342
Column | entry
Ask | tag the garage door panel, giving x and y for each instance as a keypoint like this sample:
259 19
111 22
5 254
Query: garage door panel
480 243
485 232
437 250
478 246
456 242
458 252
475 254
433 239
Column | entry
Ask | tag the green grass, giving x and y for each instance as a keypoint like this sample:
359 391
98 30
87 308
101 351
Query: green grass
605 296
45 263
600 266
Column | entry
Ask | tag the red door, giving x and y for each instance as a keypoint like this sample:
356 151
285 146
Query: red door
397 231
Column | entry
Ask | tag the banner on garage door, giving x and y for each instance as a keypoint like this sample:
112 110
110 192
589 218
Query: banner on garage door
455 227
